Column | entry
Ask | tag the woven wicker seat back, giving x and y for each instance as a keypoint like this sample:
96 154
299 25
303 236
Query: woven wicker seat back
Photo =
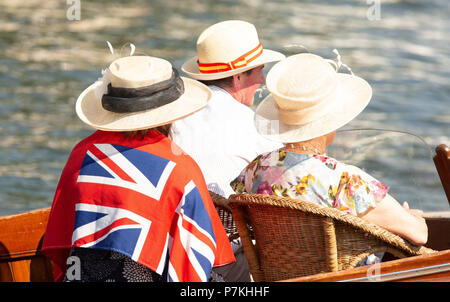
285 238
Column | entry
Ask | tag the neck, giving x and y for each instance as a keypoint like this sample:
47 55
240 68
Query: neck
237 95
314 146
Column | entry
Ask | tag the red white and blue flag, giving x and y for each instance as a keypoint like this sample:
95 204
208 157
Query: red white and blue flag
193 237
126 167
144 206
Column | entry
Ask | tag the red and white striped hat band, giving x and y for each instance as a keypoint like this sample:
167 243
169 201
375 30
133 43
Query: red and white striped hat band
242 61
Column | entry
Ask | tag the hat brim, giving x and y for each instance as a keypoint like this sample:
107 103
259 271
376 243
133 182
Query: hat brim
352 96
89 109
190 67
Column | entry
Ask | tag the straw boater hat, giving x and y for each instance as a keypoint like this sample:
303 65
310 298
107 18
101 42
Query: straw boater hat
140 92
228 48
309 98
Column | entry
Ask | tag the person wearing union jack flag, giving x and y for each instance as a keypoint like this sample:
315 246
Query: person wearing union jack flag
222 137
129 206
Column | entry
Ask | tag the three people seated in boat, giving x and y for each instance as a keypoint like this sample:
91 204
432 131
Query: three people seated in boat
133 193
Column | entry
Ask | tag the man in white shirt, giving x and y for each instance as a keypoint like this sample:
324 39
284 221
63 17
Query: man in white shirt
222 137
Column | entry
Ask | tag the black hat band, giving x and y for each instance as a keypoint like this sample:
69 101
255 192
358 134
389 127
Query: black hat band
127 100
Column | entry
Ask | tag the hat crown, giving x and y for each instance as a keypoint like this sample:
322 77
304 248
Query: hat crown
139 71
301 81
309 98
226 41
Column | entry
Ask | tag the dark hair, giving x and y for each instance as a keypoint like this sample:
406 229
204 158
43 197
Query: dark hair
225 82
164 129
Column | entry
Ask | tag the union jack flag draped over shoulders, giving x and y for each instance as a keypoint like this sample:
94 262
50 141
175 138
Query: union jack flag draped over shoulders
137 198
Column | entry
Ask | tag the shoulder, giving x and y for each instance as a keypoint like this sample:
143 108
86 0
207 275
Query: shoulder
225 105
223 114
352 170
355 175
79 150
339 168
87 140
187 165
207 114
187 171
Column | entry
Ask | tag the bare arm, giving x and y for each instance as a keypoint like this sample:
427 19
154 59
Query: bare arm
400 220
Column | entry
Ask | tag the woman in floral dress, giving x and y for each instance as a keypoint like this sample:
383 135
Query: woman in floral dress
309 100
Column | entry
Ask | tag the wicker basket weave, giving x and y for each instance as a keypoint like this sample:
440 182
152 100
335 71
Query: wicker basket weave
294 238
225 215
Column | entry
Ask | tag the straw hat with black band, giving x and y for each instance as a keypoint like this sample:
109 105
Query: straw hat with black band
140 92
309 98
228 48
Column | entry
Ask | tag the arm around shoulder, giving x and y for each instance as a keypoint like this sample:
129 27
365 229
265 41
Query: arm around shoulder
389 214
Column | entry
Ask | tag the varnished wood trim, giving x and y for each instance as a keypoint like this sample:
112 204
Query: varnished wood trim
410 263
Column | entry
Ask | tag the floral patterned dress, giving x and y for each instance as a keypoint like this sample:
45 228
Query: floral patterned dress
319 179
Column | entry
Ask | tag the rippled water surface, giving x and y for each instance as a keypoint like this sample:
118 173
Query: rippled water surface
47 60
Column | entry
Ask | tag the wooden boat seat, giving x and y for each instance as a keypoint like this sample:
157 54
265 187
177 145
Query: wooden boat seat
20 242
442 163
294 238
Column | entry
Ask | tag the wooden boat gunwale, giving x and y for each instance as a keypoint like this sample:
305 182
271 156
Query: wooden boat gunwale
423 267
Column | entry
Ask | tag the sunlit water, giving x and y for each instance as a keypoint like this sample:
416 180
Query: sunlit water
47 60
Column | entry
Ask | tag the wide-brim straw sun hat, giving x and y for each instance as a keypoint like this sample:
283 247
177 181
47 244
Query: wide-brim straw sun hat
140 92
309 98
228 48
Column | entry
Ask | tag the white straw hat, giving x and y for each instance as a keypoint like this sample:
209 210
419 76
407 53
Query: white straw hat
227 48
140 74
308 99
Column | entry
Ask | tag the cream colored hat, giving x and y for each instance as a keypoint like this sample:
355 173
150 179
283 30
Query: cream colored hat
309 98
140 92
227 48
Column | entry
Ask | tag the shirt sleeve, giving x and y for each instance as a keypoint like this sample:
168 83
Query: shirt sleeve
357 191
238 184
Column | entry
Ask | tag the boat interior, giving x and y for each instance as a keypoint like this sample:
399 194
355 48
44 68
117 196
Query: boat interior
22 234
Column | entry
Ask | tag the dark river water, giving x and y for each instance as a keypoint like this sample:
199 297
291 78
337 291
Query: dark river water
47 58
